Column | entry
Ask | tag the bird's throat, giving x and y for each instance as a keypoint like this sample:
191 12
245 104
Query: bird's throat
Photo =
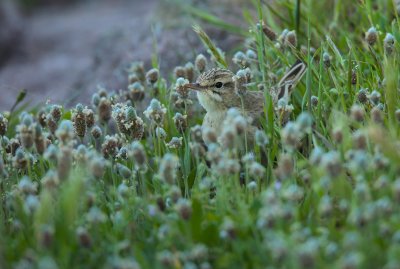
210 103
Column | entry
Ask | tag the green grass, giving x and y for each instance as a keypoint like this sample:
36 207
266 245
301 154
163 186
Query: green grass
328 196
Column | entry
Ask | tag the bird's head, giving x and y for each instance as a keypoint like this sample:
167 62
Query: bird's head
215 88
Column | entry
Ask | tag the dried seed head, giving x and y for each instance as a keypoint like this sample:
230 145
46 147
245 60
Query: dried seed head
357 113
179 72
362 96
251 54
376 115
138 154
51 123
12 146
25 130
50 180
282 38
196 134
285 166
252 185
104 109
155 112
46 235
95 100
167 170
97 166
102 92
240 80
89 117
180 122
227 137
128 122
20 160
291 39
337 135
83 237
51 153
96 132
184 208
228 229
26 186
209 135
240 59
228 167
119 116
388 44
166 259
183 92
41 144
3 125
291 135
314 101
353 77
124 171
175 143
137 68
375 97
79 121
359 140
189 71
122 153
371 36
64 161
55 111
261 138
214 153
283 109
304 51
161 134
304 122
201 63
136 92
326 57
198 151
331 163
132 78
41 117
109 148
152 76
240 125
257 170
380 162
65 132
269 33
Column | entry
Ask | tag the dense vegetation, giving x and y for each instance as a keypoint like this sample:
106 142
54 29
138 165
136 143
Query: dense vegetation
108 185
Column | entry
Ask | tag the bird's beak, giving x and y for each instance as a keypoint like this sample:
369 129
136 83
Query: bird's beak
194 86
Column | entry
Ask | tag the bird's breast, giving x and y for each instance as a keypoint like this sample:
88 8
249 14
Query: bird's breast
215 120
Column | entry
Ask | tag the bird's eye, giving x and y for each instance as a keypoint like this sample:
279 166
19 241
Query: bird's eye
218 85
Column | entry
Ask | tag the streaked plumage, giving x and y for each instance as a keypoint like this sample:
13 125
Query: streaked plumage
216 93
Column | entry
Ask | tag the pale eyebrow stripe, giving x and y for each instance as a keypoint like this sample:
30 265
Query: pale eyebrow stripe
217 76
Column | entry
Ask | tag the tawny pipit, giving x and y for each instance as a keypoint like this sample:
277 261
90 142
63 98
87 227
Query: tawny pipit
217 94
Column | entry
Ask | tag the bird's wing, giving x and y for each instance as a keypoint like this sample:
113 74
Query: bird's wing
289 81
253 103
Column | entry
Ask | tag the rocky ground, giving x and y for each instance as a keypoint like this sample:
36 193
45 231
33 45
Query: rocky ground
62 53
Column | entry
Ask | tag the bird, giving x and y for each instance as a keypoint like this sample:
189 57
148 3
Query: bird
216 93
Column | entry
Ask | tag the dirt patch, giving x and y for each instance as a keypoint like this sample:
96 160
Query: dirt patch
68 51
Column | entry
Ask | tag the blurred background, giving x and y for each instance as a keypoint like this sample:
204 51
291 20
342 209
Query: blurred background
60 51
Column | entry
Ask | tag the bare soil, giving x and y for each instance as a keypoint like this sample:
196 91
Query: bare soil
67 51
